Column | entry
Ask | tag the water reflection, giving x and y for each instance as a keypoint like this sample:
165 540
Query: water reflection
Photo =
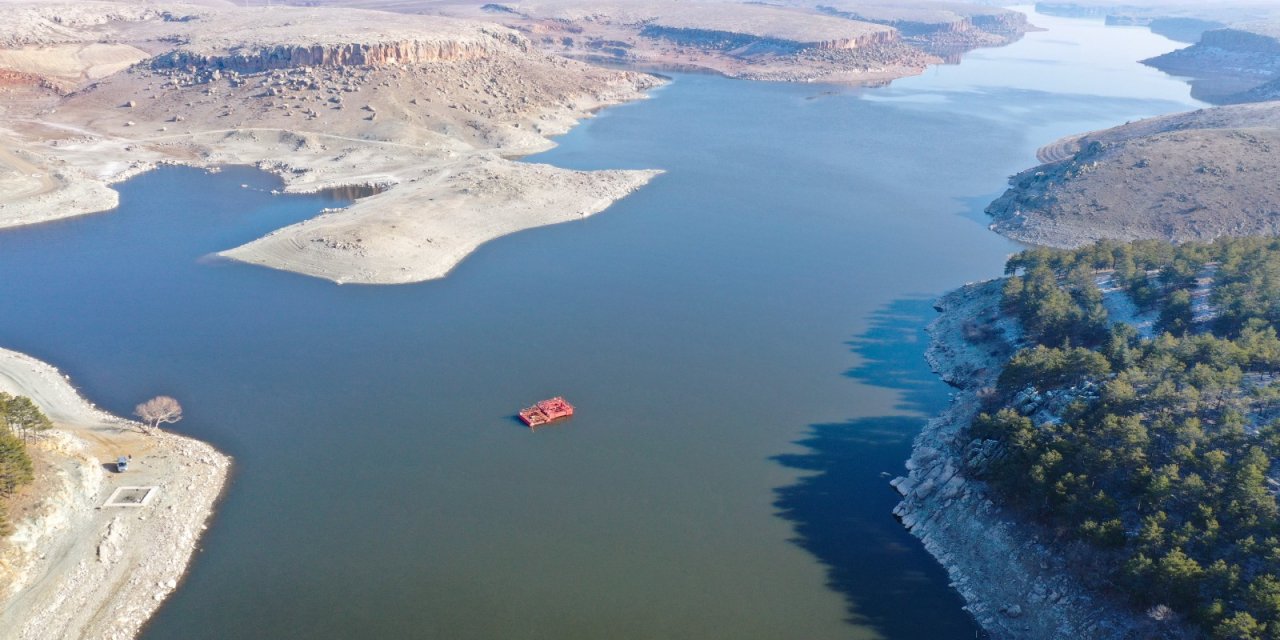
853 533
351 192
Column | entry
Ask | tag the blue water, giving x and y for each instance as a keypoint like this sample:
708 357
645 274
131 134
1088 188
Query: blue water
742 337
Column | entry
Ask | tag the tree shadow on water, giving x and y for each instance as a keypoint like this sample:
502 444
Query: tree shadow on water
842 510
892 354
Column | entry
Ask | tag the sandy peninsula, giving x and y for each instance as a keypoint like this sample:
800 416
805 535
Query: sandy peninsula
433 110
432 104
74 567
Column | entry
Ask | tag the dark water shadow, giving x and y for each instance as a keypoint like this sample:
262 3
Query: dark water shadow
975 207
842 510
347 194
892 354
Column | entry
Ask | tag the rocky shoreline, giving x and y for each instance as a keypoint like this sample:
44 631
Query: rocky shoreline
433 109
75 567
1198 175
1014 584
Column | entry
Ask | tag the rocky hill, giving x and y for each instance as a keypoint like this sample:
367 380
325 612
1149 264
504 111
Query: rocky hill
1192 176
751 25
253 41
753 41
941 28
46 23
1014 581
425 107
1235 52
793 40
1229 65
1142 12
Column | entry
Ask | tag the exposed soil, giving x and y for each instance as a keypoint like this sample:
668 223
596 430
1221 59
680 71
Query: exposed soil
851 41
1191 176
73 568
430 108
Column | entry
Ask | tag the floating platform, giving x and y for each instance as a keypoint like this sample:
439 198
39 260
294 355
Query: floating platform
546 412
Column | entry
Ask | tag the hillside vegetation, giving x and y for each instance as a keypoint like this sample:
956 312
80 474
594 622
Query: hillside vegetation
19 418
1148 459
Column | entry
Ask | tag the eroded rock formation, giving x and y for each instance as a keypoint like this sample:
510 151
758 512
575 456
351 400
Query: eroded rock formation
1226 64
255 60
731 41
1193 176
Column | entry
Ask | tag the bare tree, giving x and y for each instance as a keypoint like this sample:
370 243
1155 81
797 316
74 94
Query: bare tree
160 409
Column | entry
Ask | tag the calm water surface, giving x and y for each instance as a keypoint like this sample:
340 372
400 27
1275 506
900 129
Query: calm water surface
742 338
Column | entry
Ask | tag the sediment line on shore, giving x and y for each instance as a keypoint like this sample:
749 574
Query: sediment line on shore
74 568
1013 584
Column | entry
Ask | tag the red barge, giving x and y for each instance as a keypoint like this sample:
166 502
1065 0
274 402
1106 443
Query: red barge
546 412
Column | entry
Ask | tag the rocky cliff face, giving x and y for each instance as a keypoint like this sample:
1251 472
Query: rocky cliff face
948 38
56 22
729 41
905 27
1225 64
1009 23
1072 10
1168 180
1015 583
1229 50
1183 29
16 79
1241 41
260 59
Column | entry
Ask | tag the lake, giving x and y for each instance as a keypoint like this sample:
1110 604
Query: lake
743 339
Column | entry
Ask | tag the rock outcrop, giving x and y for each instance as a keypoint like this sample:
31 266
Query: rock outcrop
57 23
1182 29
429 108
788 40
908 23
256 60
1016 585
257 40
9 78
753 44
1245 48
1074 9
1226 64
74 568
945 29
760 28
1007 23
1191 176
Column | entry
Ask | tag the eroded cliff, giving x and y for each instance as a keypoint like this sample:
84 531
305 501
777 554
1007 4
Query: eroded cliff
1226 65
258 59
419 105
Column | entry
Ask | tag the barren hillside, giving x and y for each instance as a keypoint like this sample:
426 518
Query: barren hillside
795 40
1192 176
1234 56
1230 65
945 29
423 105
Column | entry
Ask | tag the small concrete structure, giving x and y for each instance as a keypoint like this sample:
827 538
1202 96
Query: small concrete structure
131 496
